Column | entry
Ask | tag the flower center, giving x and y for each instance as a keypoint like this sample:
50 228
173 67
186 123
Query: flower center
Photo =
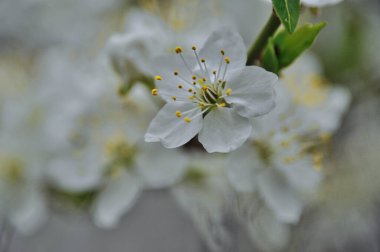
206 88
11 168
121 156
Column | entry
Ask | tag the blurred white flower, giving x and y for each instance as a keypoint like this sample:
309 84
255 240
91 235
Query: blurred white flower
211 93
22 162
320 103
205 195
278 169
146 36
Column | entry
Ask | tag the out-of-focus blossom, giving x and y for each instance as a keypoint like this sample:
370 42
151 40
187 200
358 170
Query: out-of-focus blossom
102 152
22 162
215 83
205 195
147 36
281 163
320 103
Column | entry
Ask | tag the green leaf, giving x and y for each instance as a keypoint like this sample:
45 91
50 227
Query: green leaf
269 59
289 12
291 46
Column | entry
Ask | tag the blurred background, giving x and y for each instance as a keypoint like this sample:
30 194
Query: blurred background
63 85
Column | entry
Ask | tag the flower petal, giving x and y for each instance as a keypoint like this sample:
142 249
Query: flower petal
224 130
252 91
165 66
29 209
232 44
116 199
243 168
281 198
171 131
159 167
268 233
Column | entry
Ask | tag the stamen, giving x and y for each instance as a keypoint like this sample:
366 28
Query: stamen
206 69
227 60
174 98
158 77
178 50
178 113
187 119
229 91
198 61
154 92
180 86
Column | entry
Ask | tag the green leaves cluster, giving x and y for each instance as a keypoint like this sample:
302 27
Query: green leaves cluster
289 12
284 47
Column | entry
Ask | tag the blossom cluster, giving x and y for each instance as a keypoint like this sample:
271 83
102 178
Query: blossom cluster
167 107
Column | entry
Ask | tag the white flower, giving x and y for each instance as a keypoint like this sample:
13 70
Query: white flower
210 92
320 3
205 195
279 168
320 103
22 159
146 36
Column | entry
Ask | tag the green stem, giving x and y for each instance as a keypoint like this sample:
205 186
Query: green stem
269 29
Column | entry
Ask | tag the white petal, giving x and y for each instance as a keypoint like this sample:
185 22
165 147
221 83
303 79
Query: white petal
74 175
301 175
116 199
159 167
171 131
252 91
243 168
165 66
224 130
267 232
29 210
320 3
282 199
229 41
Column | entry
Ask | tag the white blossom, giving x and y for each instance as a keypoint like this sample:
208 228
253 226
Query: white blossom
210 92
205 195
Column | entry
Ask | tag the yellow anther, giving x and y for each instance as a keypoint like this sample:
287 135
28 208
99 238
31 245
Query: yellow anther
194 47
194 93
227 60
174 98
158 77
190 90
194 83
175 73
178 113
187 119
289 160
229 91
178 49
154 92
191 97
201 81
221 105
180 86
204 79
194 77
285 129
222 52
285 144
203 60
201 104
205 87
